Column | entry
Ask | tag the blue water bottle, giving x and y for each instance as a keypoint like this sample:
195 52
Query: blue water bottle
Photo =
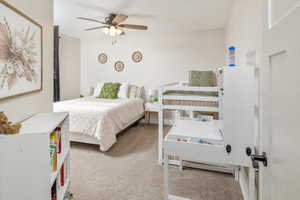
231 62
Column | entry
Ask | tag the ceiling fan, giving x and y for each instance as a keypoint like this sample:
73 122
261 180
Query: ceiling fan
112 24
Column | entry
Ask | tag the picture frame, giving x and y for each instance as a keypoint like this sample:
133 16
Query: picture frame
21 53
137 56
102 58
119 66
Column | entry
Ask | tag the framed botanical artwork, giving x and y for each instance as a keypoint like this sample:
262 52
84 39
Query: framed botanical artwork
137 56
119 66
102 58
20 53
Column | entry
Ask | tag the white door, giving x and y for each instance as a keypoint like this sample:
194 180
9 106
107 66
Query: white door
280 88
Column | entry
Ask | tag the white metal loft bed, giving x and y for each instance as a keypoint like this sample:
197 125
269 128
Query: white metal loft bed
204 102
227 141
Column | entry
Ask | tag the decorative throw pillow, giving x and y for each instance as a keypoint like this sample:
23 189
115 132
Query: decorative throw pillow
201 78
110 90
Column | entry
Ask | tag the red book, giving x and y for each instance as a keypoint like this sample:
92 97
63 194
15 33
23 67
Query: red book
62 175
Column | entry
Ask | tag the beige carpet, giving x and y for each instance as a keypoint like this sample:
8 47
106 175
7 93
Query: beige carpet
129 171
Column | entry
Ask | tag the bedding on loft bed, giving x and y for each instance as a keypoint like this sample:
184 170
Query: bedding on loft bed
101 118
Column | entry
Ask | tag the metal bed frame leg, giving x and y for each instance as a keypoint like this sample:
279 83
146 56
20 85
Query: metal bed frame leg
160 136
180 164
236 171
160 128
252 187
166 178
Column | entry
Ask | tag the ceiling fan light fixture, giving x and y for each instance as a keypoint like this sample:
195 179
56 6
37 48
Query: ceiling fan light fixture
112 25
119 31
112 31
106 30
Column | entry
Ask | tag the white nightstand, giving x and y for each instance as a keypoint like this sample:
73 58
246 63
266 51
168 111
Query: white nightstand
150 107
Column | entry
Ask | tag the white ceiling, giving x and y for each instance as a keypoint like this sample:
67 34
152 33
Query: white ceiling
168 16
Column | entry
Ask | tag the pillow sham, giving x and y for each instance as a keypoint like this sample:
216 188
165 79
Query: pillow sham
132 91
135 91
97 90
123 91
110 90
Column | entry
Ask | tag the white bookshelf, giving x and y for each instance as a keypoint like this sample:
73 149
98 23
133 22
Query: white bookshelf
25 164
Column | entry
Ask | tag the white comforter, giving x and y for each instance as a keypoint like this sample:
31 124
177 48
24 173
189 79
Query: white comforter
102 119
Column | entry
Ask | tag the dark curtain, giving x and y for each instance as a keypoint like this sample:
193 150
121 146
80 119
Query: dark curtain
56 96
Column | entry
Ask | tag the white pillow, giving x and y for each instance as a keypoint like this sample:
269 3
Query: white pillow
139 92
123 91
98 89
135 91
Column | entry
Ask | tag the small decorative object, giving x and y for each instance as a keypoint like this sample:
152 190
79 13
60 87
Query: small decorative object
102 58
152 94
137 56
7 127
231 62
119 66
20 53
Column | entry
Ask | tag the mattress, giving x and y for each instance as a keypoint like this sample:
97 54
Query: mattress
99 118
194 103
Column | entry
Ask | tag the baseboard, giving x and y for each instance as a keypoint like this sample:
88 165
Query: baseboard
209 167
168 122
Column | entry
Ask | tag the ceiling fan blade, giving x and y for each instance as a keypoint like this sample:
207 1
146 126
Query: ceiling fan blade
89 19
119 19
132 26
98 27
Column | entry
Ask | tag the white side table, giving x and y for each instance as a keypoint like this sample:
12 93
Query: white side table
150 107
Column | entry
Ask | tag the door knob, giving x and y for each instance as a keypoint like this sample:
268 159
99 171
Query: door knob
259 158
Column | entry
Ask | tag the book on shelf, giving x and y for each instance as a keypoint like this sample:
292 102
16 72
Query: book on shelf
54 191
58 132
55 147
53 157
62 175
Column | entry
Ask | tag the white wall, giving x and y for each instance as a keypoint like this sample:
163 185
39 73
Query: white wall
244 29
167 57
19 108
69 58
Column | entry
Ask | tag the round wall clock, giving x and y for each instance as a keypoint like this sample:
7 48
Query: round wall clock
102 58
137 56
119 66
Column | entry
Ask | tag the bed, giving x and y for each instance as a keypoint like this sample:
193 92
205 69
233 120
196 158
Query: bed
183 94
199 96
228 141
98 121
